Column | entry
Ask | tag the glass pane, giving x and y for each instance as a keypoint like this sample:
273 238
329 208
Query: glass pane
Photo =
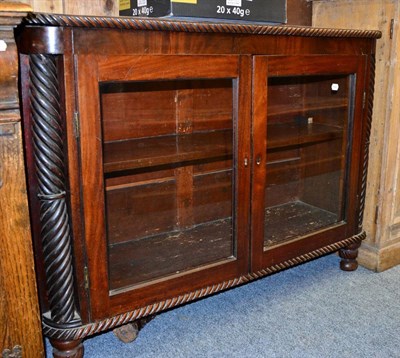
167 154
307 132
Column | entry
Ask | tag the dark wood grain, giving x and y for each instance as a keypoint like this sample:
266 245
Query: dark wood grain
146 208
309 104
92 179
292 134
185 134
293 220
312 65
163 67
69 104
169 253
149 108
142 210
259 174
173 150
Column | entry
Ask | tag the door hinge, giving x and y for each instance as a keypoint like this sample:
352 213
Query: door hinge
391 29
86 277
76 124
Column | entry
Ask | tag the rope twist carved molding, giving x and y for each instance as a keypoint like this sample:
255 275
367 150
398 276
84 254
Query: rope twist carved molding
97 327
49 162
370 102
189 26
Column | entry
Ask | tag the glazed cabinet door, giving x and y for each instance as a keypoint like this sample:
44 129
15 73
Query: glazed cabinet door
307 128
164 195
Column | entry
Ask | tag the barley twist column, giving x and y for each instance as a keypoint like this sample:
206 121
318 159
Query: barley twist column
50 169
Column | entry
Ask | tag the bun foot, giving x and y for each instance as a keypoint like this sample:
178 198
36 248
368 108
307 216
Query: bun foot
67 349
349 257
129 332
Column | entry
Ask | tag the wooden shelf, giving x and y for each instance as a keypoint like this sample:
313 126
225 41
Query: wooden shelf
174 149
164 150
282 135
294 219
310 104
141 260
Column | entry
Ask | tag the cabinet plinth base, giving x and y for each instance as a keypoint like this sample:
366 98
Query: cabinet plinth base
67 349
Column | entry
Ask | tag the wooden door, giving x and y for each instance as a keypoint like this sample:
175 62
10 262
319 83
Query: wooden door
165 190
307 128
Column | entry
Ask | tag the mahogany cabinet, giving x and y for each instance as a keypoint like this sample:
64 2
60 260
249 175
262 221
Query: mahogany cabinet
170 160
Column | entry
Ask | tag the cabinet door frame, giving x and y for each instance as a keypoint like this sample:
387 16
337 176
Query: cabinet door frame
90 71
275 66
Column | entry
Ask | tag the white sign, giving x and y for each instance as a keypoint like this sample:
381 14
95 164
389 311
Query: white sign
3 45
335 87
233 2
141 3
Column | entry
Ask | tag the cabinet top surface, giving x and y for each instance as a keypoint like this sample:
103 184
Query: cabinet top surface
166 24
